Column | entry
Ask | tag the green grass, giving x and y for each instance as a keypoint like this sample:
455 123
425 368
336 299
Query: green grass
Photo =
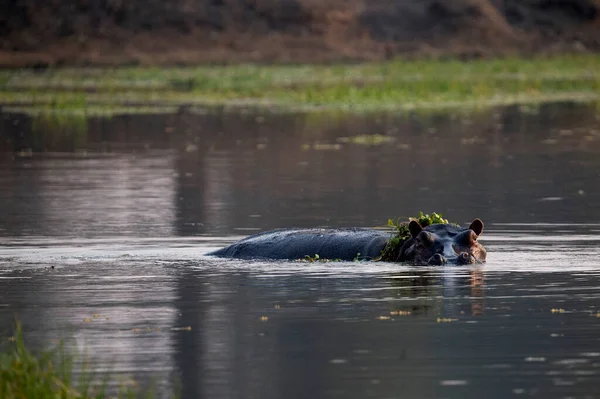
392 85
52 374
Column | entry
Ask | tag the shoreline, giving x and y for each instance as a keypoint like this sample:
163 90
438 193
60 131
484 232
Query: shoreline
364 87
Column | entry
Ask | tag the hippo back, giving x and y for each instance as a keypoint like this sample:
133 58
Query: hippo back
342 244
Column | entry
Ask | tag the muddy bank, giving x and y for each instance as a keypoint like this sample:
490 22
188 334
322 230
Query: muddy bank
186 32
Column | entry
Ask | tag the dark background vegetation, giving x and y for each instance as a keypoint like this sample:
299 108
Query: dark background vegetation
177 32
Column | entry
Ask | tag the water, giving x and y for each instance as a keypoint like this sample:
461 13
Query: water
102 239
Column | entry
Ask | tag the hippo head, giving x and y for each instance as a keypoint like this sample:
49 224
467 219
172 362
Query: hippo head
439 244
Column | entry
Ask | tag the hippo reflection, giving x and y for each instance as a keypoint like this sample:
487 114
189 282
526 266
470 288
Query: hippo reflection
436 244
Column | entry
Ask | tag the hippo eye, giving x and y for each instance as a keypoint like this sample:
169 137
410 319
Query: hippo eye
425 238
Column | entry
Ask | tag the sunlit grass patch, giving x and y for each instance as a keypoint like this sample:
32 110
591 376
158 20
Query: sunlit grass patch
392 85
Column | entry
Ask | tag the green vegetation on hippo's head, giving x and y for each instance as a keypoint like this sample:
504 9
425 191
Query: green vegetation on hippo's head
426 219
401 233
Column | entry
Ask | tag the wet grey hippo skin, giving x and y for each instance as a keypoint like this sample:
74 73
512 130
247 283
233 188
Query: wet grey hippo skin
343 244
432 245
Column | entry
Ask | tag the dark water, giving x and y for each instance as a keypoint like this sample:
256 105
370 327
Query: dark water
103 231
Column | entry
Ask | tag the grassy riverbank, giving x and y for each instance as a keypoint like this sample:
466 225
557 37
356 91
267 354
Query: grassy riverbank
393 85
54 374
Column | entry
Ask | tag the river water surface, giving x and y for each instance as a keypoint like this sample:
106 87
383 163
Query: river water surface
103 231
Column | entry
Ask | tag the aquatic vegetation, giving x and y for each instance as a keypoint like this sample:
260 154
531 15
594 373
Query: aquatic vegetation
366 87
321 147
317 258
400 233
400 312
445 320
367 139
52 374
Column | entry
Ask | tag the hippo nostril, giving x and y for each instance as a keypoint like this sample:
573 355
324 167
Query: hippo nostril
437 260
464 258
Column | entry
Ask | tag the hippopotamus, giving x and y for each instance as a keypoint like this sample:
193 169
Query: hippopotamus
436 244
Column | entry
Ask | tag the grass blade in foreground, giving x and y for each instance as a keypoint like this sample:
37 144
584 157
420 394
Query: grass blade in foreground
51 375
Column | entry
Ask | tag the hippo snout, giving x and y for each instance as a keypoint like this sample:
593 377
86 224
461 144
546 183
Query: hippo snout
465 259
437 260
462 259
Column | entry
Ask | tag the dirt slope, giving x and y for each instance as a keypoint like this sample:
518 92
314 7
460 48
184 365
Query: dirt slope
102 32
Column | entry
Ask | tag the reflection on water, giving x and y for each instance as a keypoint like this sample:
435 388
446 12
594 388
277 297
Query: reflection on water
104 236
189 174
257 329
88 196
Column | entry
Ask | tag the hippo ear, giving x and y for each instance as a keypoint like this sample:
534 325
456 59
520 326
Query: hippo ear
414 227
477 226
